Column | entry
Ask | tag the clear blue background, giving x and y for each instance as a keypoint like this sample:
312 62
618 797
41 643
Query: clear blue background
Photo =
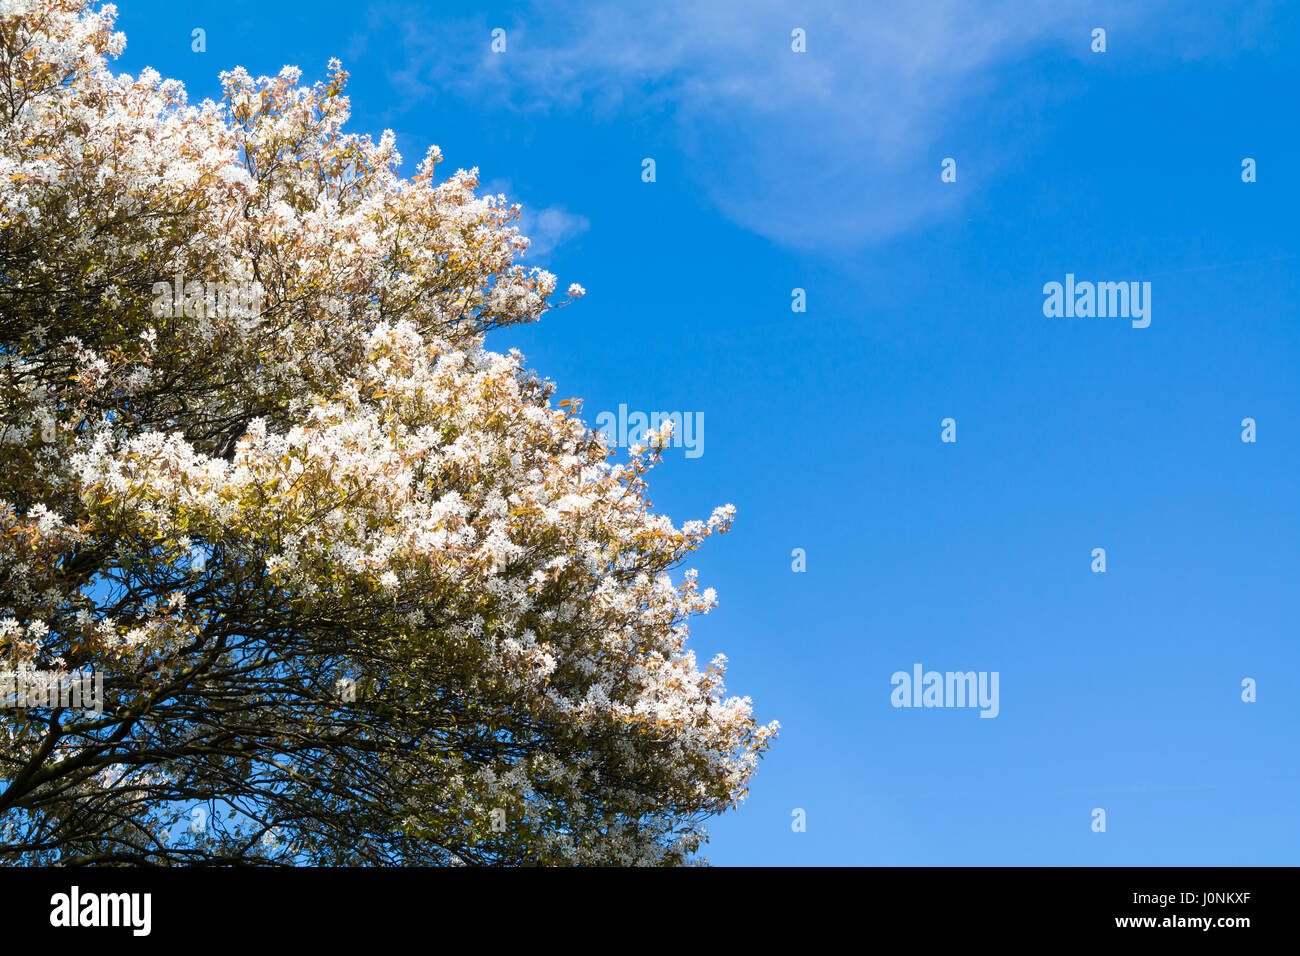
821 171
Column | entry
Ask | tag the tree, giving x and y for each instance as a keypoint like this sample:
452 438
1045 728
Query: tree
357 590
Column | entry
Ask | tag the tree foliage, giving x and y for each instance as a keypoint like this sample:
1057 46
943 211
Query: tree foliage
358 590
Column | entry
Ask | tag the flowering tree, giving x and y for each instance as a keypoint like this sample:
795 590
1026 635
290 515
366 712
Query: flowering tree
357 591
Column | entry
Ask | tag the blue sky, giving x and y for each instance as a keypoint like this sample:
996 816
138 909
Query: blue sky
820 170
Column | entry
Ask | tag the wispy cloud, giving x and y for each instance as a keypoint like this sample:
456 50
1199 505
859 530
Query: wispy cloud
545 226
838 144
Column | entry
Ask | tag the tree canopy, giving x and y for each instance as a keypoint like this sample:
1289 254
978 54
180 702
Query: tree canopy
359 592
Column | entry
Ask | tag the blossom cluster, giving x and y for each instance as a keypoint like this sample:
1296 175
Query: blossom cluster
348 442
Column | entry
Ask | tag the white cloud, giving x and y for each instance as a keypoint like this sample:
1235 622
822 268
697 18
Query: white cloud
841 144
546 227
